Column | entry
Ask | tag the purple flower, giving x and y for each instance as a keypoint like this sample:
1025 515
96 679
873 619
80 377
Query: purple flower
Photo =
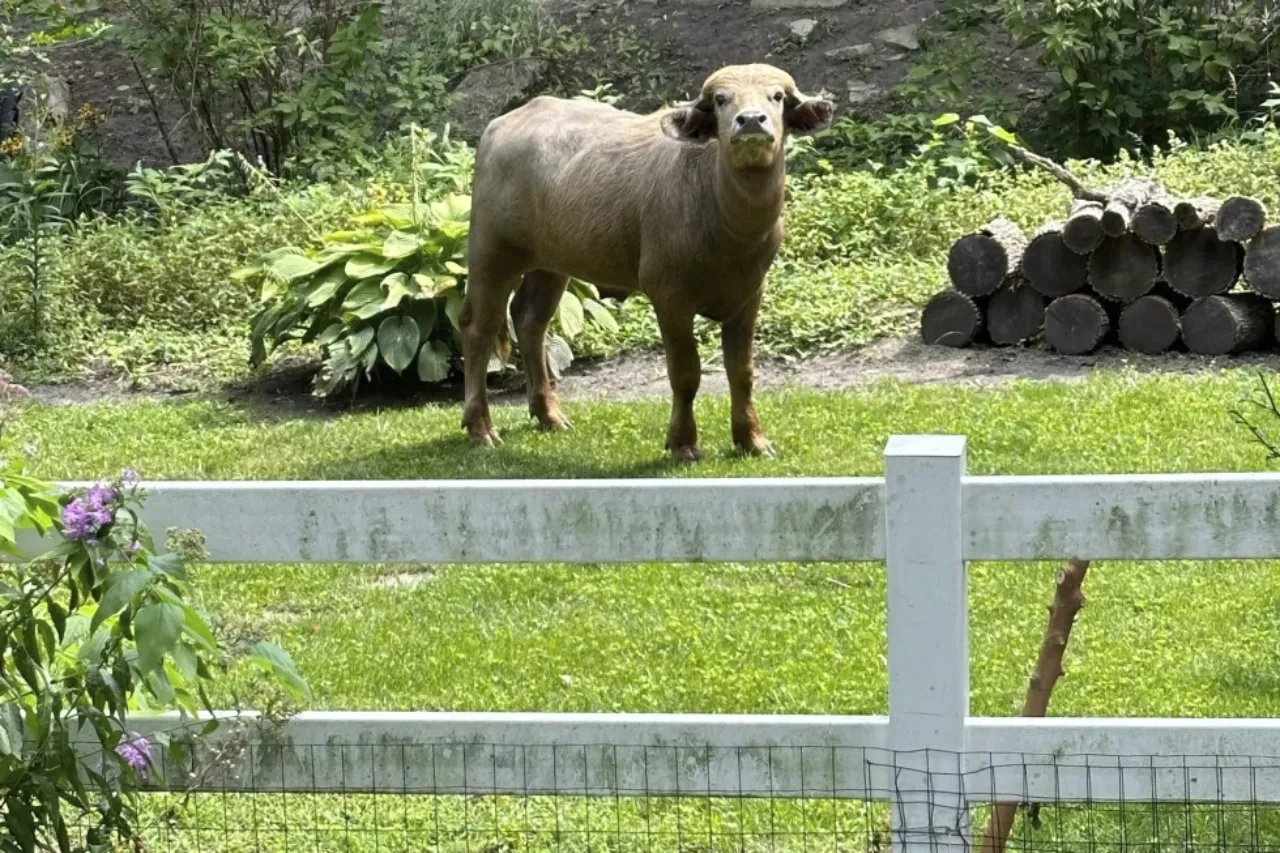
84 517
130 479
135 545
136 752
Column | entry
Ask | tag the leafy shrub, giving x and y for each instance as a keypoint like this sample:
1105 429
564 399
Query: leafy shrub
97 627
387 293
1129 72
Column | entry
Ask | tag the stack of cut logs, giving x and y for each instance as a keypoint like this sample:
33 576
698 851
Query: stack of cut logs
1131 264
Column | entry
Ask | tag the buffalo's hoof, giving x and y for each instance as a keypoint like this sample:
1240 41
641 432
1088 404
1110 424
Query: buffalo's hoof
757 446
554 421
688 453
484 437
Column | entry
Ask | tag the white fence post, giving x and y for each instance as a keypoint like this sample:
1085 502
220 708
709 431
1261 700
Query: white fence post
928 640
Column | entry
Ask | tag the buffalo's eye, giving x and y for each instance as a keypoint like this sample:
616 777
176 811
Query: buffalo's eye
721 100
777 96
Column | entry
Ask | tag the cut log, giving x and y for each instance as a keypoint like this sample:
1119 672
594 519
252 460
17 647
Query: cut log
1050 266
950 319
1198 263
1015 313
1076 324
1083 230
1194 212
1124 201
1149 325
1262 262
1221 325
1154 221
978 263
1124 268
1240 219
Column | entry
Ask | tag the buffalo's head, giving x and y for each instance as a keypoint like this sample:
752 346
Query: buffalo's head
750 109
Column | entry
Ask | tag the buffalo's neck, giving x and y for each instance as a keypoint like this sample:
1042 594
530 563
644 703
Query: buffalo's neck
749 200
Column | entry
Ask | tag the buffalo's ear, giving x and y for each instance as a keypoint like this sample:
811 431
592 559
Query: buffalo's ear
808 115
690 123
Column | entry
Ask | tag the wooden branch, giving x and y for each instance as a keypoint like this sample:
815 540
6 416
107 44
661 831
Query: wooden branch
1078 189
1068 598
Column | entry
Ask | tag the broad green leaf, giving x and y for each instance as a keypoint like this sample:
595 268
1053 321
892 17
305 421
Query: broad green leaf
368 265
293 267
570 314
277 660
455 269
601 315
169 564
360 340
328 286
433 362
397 287
559 355
362 294
158 627
331 334
121 588
398 340
184 660
400 244
946 119
198 627
452 307
434 286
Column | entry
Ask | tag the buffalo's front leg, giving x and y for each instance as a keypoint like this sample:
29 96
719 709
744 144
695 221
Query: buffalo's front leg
484 311
535 304
684 370
737 337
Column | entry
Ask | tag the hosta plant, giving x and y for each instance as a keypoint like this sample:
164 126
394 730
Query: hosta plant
385 295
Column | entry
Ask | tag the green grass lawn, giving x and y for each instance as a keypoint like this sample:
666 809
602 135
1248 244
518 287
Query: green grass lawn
1171 639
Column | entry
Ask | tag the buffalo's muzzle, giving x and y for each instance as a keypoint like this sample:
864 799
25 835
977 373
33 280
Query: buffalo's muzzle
753 126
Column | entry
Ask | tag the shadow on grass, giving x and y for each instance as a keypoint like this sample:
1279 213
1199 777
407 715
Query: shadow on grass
453 457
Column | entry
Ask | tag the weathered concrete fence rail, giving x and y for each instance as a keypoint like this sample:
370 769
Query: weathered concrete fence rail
925 518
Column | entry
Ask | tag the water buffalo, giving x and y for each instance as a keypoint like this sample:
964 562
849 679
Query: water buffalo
683 205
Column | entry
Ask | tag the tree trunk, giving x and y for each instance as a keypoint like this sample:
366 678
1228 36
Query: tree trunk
979 263
1076 324
1150 325
1015 313
1124 201
1192 213
1154 221
1083 230
1262 262
1050 266
1197 262
1124 268
1222 325
950 319
1240 218
1068 599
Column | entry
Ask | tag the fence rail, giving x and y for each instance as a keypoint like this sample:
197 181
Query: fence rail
925 519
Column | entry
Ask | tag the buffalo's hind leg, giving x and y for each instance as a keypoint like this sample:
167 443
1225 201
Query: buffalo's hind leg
483 315
534 305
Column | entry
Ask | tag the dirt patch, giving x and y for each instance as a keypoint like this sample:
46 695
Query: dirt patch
285 390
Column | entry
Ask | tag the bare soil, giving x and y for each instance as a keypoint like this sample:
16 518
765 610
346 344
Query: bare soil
639 376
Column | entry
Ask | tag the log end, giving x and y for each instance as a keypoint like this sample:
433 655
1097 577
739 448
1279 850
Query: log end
1149 325
1075 324
977 264
950 319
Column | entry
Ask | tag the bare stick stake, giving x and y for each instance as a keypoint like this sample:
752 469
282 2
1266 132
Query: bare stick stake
1068 598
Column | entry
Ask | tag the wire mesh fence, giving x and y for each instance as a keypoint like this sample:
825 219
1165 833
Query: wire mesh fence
591 798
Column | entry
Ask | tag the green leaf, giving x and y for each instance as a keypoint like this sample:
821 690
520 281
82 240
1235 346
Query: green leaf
452 306
365 293
601 315
570 314
121 588
158 627
559 355
398 340
360 340
400 244
292 267
198 627
435 286
397 287
277 660
433 362
328 288
368 265
169 564
946 119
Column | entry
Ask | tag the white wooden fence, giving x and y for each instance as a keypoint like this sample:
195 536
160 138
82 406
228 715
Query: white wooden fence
925 518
